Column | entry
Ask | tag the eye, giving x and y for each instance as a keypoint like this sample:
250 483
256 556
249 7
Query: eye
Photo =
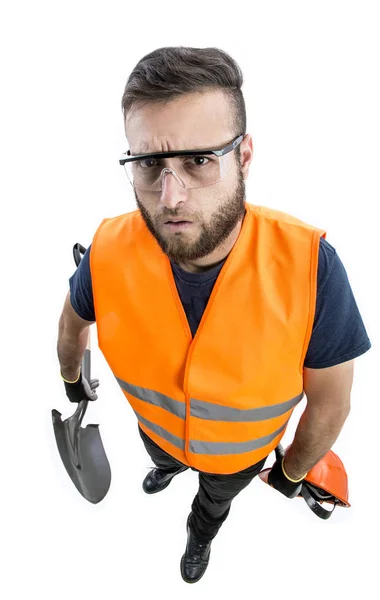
147 163
199 161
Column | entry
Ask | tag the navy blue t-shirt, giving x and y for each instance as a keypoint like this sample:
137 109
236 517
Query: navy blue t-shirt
338 333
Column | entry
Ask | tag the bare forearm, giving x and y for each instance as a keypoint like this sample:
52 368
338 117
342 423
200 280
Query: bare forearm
314 437
70 350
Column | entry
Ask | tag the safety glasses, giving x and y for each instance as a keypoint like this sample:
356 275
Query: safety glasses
192 168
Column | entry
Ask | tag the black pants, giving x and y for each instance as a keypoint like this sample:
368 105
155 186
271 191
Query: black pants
211 505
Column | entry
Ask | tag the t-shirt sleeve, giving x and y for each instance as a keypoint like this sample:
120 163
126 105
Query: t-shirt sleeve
338 333
81 296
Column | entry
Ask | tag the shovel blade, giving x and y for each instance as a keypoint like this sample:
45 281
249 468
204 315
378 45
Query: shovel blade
88 468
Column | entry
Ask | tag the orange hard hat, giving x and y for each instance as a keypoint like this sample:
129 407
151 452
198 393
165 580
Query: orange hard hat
325 482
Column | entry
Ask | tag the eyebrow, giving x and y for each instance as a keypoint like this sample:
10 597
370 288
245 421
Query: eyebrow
165 155
145 150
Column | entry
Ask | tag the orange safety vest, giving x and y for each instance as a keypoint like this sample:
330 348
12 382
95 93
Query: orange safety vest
221 401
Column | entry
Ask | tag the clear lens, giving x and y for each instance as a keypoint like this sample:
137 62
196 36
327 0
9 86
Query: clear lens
191 171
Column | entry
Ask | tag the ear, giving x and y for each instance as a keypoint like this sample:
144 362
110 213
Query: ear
246 154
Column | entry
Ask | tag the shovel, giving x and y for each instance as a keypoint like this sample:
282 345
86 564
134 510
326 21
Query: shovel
81 449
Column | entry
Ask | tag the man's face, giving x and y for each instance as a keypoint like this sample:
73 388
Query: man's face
190 122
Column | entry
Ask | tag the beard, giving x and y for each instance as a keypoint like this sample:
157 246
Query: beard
211 235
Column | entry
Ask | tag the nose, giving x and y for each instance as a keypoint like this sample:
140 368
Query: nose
172 191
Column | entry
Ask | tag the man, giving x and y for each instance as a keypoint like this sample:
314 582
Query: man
214 315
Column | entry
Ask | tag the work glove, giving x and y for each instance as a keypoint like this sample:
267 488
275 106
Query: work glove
81 389
278 480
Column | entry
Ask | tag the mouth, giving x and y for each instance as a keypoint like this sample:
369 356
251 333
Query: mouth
177 221
178 224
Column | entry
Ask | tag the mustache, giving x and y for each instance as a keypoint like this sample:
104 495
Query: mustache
168 217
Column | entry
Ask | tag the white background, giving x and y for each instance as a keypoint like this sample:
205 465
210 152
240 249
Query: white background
311 87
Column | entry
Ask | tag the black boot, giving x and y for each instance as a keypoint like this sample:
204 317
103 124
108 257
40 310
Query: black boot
195 560
158 479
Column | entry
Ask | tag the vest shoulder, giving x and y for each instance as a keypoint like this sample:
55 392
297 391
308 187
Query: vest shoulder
125 222
271 214
123 218
114 232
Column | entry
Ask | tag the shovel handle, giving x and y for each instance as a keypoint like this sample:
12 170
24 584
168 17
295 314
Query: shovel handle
86 360
78 251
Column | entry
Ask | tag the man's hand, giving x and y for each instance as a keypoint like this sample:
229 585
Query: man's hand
81 389
278 480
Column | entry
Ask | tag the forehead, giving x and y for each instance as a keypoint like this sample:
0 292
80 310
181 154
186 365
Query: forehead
191 121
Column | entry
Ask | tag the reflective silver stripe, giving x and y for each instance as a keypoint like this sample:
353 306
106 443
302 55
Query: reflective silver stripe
198 447
173 406
233 447
217 412
164 433
207 410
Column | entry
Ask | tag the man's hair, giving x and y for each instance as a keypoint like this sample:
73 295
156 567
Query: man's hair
172 71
